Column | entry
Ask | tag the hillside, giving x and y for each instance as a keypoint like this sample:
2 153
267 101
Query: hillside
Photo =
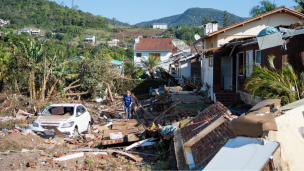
47 14
193 16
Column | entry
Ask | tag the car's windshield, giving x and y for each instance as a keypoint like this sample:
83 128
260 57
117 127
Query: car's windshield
58 110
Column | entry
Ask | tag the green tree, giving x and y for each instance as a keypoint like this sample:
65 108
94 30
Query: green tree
234 21
284 83
114 21
263 7
206 20
149 64
48 34
300 6
226 19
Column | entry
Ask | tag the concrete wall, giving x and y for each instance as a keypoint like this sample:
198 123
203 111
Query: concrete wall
186 68
290 135
164 55
207 78
248 98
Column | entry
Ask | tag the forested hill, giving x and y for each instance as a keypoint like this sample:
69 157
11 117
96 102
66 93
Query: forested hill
46 14
193 16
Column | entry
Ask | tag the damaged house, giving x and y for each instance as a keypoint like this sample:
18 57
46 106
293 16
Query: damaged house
221 77
246 52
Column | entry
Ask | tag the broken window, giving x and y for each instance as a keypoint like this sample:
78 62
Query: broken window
62 111
80 110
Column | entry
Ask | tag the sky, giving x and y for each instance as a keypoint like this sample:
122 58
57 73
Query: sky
135 11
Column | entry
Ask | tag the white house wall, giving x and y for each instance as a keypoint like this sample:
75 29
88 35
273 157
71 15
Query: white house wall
186 68
164 55
253 28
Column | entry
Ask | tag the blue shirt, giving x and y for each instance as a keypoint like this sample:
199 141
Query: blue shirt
128 101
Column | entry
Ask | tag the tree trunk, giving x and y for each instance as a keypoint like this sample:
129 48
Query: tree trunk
51 91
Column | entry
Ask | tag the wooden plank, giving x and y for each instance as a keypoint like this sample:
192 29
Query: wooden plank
110 93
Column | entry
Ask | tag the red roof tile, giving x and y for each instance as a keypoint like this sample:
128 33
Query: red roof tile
204 150
162 44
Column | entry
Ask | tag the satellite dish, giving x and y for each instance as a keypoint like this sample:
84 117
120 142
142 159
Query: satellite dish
197 37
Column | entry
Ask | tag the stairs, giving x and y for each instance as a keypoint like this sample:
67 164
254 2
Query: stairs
228 98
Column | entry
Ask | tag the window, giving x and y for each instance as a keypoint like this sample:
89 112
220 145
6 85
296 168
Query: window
157 55
249 63
212 45
80 109
258 57
138 55
211 62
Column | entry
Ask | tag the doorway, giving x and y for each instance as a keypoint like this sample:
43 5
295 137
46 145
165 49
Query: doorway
226 73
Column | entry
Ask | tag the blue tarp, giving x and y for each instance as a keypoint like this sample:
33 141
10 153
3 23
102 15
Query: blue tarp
267 31
167 129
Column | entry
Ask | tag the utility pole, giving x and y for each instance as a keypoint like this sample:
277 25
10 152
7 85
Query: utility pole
123 72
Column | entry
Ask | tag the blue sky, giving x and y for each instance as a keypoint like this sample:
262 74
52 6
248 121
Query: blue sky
135 11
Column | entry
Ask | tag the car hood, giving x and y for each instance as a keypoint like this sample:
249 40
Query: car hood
53 119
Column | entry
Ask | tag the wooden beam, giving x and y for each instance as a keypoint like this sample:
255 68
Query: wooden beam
110 93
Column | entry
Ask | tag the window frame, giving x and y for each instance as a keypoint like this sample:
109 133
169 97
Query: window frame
138 56
256 52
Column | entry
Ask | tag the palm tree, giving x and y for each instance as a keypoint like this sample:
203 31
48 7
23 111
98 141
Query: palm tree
149 64
130 68
284 84
265 6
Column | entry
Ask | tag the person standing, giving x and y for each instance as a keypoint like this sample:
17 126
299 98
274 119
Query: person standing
128 104
135 106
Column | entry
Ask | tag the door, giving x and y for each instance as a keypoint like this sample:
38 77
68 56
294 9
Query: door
81 119
249 63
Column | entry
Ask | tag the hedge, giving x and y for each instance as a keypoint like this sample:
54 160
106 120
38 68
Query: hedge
121 86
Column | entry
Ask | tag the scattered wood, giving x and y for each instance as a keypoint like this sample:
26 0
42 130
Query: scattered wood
22 115
110 93
137 159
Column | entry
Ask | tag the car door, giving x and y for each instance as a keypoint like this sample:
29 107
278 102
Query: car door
81 119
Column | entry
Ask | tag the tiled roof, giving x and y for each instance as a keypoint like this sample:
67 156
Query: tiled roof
112 42
278 10
206 148
162 44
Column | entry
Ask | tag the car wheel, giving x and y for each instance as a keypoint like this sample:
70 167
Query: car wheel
89 130
75 132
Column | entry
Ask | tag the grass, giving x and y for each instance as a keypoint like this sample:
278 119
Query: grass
88 162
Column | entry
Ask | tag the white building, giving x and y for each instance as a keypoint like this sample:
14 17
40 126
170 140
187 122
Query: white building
161 48
112 43
160 26
35 31
27 30
248 28
90 39
116 40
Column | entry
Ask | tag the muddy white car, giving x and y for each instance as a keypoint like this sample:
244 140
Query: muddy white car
70 119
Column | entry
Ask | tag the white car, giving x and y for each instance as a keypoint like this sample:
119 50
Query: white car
70 119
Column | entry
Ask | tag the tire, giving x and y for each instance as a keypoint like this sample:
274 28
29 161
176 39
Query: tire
89 129
75 132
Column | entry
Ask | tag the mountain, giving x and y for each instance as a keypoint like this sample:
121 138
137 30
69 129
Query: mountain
193 16
47 14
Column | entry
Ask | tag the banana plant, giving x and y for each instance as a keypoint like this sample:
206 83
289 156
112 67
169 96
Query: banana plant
35 55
